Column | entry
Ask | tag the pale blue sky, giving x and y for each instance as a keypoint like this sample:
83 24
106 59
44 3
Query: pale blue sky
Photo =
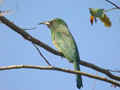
97 44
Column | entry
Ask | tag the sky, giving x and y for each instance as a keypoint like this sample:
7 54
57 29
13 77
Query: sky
96 44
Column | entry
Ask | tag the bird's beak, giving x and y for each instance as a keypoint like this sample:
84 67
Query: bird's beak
46 23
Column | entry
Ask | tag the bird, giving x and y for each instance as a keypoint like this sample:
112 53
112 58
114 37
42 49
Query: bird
99 13
65 43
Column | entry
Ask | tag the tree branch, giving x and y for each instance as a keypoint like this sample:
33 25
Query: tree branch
113 4
59 69
28 37
116 71
100 69
41 54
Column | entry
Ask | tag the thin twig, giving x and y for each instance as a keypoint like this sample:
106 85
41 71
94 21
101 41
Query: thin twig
29 28
28 37
41 54
60 69
107 10
113 4
117 71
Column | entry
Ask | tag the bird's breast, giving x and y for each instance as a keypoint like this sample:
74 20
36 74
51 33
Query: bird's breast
56 45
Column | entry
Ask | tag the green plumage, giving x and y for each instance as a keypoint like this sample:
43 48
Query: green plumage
65 43
100 13
97 12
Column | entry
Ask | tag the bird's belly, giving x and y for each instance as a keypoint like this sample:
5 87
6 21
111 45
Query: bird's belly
55 44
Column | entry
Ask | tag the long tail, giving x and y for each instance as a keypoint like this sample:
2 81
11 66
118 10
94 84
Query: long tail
78 78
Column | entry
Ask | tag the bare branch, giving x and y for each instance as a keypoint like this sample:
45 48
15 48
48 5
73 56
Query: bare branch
113 4
41 54
30 28
111 9
117 71
60 69
28 37
100 69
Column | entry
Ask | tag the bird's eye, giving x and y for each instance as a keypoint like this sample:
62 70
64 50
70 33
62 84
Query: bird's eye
51 22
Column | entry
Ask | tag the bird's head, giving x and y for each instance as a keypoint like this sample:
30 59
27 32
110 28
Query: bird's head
54 23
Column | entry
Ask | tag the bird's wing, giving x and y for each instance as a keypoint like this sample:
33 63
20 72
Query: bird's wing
66 44
105 20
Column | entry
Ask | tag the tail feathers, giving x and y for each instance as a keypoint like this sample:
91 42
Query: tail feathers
78 77
105 20
79 81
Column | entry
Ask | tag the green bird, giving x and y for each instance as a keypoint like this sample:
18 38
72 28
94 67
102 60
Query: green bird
65 43
99 13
